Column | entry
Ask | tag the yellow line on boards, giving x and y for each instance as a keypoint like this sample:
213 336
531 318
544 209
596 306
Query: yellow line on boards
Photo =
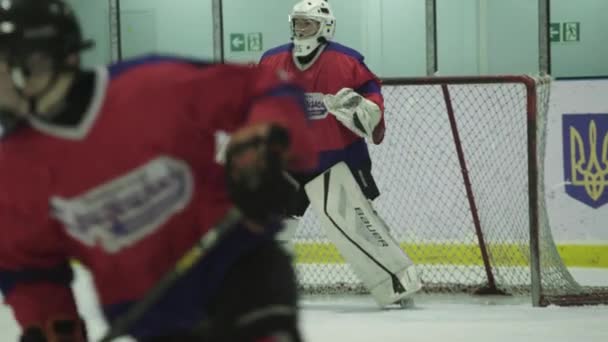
595 256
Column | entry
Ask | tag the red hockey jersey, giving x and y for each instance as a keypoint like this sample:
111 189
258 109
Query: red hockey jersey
133 186
337 67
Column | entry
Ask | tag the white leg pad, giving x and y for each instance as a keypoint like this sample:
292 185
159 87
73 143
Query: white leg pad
362 237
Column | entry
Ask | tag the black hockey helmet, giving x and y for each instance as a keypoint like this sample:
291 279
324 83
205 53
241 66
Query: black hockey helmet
38 35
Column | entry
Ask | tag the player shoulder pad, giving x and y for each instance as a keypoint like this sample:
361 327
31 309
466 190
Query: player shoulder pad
277 50
344 50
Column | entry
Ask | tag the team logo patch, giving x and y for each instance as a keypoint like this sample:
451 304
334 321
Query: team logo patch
315 107
586 157
123 211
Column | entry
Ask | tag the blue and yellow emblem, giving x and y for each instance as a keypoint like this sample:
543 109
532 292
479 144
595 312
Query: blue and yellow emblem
586 157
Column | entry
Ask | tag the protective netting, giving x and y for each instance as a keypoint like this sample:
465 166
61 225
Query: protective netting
424 196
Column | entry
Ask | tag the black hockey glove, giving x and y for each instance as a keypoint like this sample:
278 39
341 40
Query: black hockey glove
56 331
256 176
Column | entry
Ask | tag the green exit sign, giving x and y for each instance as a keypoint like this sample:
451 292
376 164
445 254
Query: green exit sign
237 42
572 32
242 42
555 32
565 32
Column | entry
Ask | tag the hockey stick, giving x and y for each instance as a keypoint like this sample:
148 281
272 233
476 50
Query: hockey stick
209 241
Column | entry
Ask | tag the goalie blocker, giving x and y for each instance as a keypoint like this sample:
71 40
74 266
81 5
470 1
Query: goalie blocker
362 237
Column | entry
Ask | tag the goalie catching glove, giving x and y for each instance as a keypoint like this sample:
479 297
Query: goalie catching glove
354 111
256 160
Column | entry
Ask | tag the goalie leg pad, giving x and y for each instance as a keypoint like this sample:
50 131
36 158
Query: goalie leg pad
362 237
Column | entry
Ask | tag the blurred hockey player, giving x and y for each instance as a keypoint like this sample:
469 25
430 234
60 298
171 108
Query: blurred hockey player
115 167
346 108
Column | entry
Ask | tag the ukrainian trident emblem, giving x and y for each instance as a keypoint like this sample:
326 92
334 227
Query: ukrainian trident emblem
586 157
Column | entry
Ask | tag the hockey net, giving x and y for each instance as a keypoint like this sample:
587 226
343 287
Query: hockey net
459 192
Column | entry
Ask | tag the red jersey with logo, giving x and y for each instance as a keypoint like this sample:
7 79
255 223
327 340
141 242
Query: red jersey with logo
335 68
131 187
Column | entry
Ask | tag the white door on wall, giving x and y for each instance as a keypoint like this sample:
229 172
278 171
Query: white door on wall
138 32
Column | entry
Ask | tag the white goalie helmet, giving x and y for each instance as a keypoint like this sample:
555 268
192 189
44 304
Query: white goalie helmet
316 10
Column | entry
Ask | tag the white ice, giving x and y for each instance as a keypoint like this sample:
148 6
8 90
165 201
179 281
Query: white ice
434 318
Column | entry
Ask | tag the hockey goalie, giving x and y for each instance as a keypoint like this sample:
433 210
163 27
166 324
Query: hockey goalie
345 106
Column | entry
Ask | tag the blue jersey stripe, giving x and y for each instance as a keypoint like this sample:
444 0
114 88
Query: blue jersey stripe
355 155
7 282
277 50
61 274
122 67
337 47
369 87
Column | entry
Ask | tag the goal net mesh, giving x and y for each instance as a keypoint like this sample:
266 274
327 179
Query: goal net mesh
453 173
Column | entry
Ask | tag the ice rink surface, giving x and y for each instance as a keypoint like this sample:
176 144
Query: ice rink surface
447 318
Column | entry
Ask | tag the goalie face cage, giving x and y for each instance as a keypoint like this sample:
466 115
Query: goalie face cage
461 176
